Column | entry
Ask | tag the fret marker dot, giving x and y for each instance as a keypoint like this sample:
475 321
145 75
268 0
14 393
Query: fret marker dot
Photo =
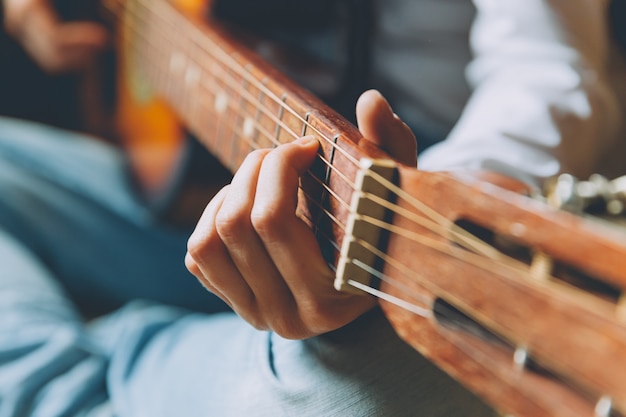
248 127
520 357
221 102
604 407
518 229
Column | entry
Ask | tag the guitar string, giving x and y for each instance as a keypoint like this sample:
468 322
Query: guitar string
400 192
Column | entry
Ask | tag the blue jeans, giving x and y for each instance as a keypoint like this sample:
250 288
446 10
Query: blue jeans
73 238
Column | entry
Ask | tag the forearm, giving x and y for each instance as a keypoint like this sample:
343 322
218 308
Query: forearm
541 103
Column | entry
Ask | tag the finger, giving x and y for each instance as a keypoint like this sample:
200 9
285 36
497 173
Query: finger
60 47
198 238
208 259
378 123
234 226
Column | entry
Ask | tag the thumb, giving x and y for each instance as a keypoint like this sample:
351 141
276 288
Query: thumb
378 124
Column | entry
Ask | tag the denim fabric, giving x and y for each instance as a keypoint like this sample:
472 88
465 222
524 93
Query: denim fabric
72 234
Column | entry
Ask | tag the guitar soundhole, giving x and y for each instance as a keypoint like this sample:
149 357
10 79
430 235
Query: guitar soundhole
454 319
561 271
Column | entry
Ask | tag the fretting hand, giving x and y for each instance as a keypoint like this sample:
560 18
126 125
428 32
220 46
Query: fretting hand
56 46
250 249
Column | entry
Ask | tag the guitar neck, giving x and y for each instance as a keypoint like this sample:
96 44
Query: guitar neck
228 97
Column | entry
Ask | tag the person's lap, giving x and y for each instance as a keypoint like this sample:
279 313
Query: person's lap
68 216
67 198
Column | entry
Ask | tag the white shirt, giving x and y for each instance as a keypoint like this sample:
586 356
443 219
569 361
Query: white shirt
527 96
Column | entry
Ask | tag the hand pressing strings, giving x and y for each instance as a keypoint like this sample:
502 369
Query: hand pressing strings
251 250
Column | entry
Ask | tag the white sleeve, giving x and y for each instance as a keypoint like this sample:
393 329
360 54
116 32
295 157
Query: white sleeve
541 103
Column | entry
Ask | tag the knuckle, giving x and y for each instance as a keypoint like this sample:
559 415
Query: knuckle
267 221
232 223
319 317
253 318
201 243
257 155
289 329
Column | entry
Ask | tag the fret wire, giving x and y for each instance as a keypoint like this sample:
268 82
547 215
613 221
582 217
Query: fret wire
242 116
223 107
280 121
257 114
314 222
196 116
214 50
238 115
304 123
191 80
211 102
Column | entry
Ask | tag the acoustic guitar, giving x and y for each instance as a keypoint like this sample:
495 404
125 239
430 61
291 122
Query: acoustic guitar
518 300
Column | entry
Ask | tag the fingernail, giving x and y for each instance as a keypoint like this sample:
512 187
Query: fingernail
306 140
